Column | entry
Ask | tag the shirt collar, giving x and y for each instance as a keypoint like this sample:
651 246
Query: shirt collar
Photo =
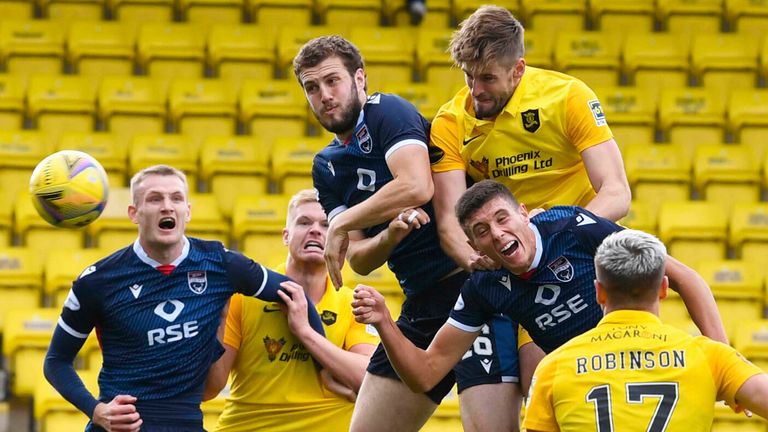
627 316
539 247
147 260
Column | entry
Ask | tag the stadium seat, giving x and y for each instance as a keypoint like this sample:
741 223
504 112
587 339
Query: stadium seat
748 119
434 63
726 174
17 10
748 232
292 37
100 49
103 146
563 15
21 280
633 16
594 57
20 152
37 234
690 16
658 173
32 47
292 163
656 61
207 221
272 109
169 51
383 280
53 413
343 12
26 336
726 420
113 230
207 13
751 340
693 231
62 267
257 224
68 10
631 113
266 248
691 116
141 11
462 9
59 104
738 290
175 150
438 13
12 91
237 52
233 164
200 108
6 222
389 53
539 46
130 106
281 12
642 216
747 17
724 62
423 96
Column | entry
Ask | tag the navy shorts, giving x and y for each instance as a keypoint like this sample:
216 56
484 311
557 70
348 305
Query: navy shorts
492 358
192 427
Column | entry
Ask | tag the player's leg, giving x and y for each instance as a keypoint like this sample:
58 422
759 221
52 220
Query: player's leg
491 407
530 355
386 404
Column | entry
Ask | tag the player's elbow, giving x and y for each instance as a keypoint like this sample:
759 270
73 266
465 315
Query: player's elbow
420 384
416 192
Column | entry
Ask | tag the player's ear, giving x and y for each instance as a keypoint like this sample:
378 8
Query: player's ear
189 212
664 287
600 294
285 236
523 211
472 245
132 210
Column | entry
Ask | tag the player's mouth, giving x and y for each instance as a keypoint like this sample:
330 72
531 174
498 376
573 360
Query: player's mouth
510 248
167 223
314 245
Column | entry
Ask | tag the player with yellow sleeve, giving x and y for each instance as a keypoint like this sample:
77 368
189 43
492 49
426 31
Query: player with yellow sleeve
632 372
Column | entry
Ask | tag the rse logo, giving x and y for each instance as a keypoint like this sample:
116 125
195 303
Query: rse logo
547 295
174 332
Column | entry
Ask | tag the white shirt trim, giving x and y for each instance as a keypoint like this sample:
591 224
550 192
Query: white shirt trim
402 144
464 327
539 247
265 275
149 261
70 330
335 212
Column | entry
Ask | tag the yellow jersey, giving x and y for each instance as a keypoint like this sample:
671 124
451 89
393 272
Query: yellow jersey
533 146
633 373
274 384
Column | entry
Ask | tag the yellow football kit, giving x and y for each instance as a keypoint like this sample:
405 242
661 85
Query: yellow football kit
533 146
633 373
274 383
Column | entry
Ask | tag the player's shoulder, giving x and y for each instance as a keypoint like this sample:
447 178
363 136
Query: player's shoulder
101 268
549 77
381 107
210 249
484 278
564 217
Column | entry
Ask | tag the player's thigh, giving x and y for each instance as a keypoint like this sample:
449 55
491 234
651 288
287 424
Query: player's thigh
386 404
530 355
491 407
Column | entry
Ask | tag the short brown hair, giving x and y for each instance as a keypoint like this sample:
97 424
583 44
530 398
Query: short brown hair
490 33
321 48
159 170
477 196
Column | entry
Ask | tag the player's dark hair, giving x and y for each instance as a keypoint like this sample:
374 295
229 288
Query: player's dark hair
477 196
491 33
319 49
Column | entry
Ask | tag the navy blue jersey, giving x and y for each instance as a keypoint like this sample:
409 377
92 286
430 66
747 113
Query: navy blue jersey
346 174
158 331
557 300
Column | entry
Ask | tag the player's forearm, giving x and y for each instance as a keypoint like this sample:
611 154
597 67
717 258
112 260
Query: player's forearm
369 254
454 242
59 371
698 299
612 201
347 367
216 380
410 362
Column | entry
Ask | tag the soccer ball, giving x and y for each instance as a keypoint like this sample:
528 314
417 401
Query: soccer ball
69 189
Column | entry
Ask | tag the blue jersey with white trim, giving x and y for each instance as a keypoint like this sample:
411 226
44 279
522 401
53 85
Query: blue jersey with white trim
158 331
346 174
557 301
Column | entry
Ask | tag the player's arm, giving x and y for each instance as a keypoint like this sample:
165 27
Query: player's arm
219 372
697 297
753 395
605 169
419 369
229 335
540 411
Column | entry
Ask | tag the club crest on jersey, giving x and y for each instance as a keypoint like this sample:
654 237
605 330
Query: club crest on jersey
364 140
481 166
531 120
328 317
197 281
562 269
273 347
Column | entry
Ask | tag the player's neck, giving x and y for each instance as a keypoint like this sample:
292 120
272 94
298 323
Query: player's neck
164 254
312 277
651 308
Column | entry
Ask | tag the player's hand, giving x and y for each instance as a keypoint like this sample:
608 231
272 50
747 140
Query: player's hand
369 306
478 261
119 415
405 222
295 307
336 244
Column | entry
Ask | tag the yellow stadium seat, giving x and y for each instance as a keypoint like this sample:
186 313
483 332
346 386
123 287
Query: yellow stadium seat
5 221
207 221
752 341
438 13
724 62
464 8
212 12
26 335
12 91
747 17
32 47
20 152
130 106
272 109
539 47
17 10
738 290
693 231
591 56
100 49
66 10
268 249
105 147
343 12
175 150
141 11
383 280
642 216
631 113
690 16
691 116
748 232
169 51
21 280
748 119
726 420
389 53
658 173
422 96
62 267
59 104
434 63
200 108
237 52
292 162
113 230
627 16
292 37
212 409
656 61
257 224
230 165
563 15
37 234
53 413
281 12
726 174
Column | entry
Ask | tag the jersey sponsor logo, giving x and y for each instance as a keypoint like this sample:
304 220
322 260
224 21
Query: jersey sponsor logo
135 290
531 121
364 140
481 166
597 112
173 314
273 347
72 303
506 282
547 294
561 312
582 219
366 179
562 269
87 271
173 332
436 154
486 364
470 139
197 281
328 317
330 168
272 308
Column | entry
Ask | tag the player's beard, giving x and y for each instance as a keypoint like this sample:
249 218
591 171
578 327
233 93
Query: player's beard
349 116
499 102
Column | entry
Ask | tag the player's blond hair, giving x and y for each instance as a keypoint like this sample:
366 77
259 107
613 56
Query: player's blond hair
630 265
156 170
491 33
301 197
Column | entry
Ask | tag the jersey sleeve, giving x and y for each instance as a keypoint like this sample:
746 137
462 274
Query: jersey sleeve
79 314
357 333
591 229
322 172
585 120
444 151
540 412
730 369
233 330
471 310
397 124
